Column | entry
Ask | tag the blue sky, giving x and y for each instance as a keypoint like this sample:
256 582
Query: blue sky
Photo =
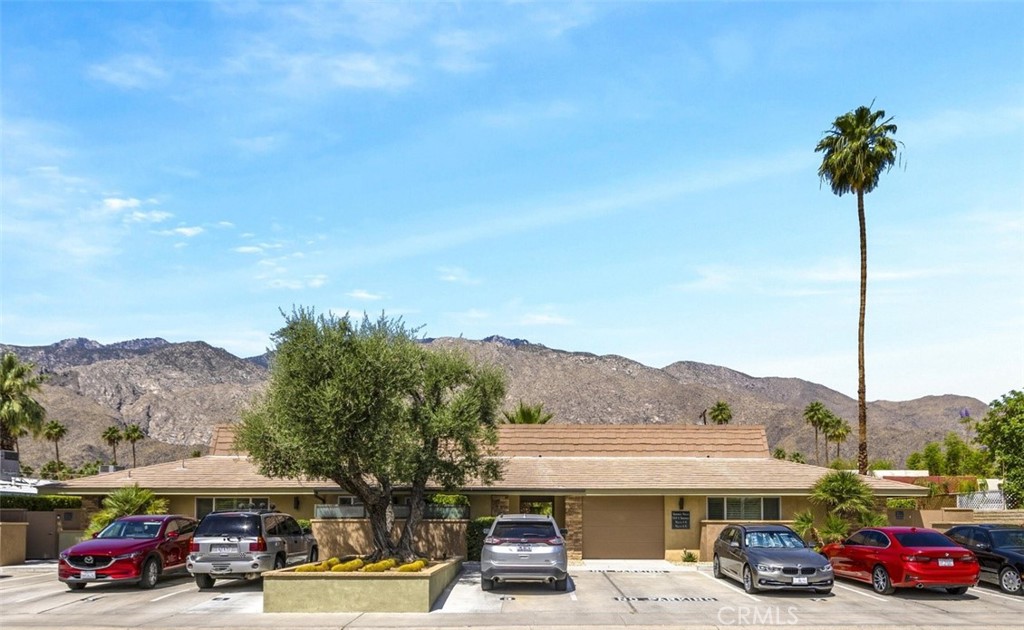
618 178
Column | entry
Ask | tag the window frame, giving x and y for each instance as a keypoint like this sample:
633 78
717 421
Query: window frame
743 507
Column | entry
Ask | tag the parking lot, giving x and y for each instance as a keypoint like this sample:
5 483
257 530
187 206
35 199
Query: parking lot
608 594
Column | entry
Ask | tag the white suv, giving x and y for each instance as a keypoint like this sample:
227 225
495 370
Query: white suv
524 547
245 544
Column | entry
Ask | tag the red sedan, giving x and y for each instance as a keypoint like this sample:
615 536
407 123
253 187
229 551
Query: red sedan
900 557
131 549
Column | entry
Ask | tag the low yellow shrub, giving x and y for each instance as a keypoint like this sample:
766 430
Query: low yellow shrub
379 567
351 565
413 567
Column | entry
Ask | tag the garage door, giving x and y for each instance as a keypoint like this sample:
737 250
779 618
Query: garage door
623 527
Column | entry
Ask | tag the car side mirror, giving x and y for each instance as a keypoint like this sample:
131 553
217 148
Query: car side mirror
983 546
95 534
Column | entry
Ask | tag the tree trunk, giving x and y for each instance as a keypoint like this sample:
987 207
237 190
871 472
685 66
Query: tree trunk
133 454
376 497
862 402
817 452
56 451
417 504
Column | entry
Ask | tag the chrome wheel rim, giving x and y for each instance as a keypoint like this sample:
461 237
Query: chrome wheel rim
151 573
1010 581
748 580
881 580
717 567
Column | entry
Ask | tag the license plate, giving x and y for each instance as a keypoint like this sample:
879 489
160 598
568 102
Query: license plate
945 562
222 548
87 575
800 580
524 548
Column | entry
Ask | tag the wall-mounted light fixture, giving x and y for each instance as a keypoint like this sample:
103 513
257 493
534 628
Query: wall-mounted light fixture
682 502
295 503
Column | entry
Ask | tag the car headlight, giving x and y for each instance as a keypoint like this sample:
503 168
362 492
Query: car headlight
827 567
768 568
63 555
128 556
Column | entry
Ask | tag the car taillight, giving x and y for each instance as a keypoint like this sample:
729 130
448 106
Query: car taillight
968 558
491 540
259 545
917 558
193 547
554 541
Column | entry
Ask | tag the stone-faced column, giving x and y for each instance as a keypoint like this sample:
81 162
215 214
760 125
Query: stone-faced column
574 525
499 504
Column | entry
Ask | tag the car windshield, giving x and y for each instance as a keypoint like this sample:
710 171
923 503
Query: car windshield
131 529
229 525
539 530
774 540
924 539
1008 537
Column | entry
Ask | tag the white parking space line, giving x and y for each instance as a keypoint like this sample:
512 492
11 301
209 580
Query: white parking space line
8 580
860 592
729 586
172 594
978 591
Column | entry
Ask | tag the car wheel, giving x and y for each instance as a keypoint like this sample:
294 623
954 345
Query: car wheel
150 573
562 585
278 563
716 567
880 581
1009 580
956 590
748 579
76 586
204 581
314 555
485 584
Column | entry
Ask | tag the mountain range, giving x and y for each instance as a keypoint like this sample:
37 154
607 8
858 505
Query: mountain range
177 393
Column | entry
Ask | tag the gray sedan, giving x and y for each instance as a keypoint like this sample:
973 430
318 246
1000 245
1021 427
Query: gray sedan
770 557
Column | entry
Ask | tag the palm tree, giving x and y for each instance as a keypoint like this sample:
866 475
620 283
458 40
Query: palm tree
816 415
828 428
20 413
124 502
838 433
112 436
54 432
527 414
843 493
856 150
720 413
132 434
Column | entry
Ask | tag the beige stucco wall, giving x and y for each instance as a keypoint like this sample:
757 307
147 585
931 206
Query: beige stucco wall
353 536
679 541
13 541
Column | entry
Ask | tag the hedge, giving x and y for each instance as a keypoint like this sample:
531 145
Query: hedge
475 534
37 503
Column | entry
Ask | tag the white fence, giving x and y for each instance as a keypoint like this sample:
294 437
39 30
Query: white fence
985 500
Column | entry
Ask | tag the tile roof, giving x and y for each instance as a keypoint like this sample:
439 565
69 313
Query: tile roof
661 440
223 440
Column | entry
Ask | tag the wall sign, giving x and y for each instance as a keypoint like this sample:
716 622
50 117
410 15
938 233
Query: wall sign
680 519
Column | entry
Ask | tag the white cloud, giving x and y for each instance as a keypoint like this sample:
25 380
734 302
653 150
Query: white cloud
308 282
185 231
129 72
456 275
248 249
259 145
153 216
458 49
116 204
543 319
225 224
360 294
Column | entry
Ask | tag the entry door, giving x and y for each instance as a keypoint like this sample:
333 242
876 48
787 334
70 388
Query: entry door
41 540
624 527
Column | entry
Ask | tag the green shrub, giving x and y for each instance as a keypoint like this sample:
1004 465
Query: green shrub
42 503
412 567
449 499
689 556
475 534
345 567
380 567
900 504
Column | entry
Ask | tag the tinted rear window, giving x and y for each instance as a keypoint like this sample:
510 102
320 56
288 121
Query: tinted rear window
1008 537
924 539
229 525
529 529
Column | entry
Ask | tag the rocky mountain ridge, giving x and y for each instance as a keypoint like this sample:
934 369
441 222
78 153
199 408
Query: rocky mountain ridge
177 392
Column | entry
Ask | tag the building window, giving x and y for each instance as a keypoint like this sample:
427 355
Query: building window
205 505
744 509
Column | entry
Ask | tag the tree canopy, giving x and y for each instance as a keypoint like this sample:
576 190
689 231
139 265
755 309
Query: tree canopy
368 407
1002 433
720 413
20 413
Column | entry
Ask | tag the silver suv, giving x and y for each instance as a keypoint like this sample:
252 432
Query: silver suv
523 547
245 544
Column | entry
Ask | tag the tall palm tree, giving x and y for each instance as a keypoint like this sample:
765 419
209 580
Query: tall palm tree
132 434
816 415
20 413
54 432
856 150
828 428
527 414
720 413
112 436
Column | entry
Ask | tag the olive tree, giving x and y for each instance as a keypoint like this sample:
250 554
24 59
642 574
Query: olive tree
369 408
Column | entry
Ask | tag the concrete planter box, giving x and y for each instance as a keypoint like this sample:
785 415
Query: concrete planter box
288 591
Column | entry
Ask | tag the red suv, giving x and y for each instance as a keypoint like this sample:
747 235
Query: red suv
131 549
